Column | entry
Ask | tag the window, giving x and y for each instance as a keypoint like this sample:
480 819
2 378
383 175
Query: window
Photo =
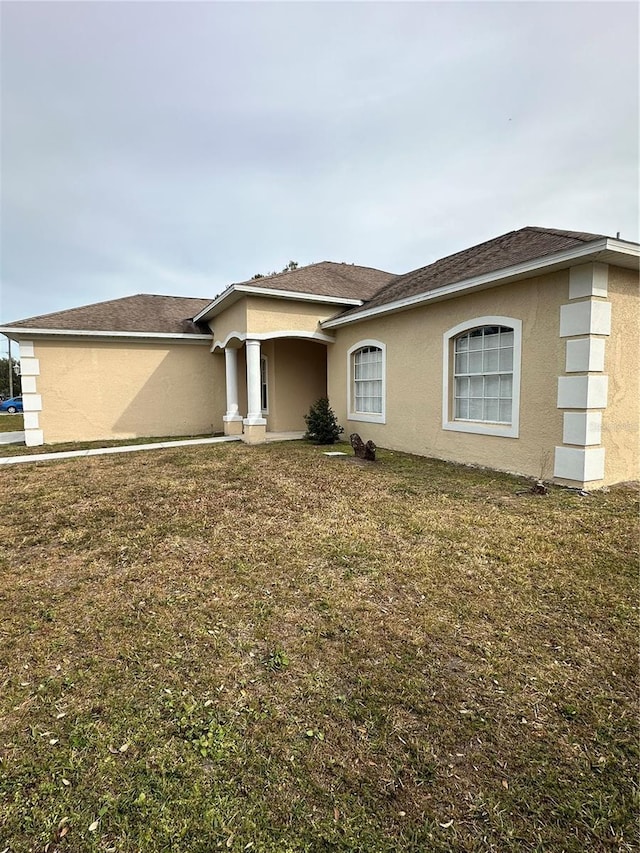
483 371
367 380
264 391
366 366
481 385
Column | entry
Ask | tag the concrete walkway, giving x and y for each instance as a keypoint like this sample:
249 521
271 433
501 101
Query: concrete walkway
132 448
11 437
125 448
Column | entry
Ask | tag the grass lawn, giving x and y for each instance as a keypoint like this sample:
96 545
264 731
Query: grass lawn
11 423
266 649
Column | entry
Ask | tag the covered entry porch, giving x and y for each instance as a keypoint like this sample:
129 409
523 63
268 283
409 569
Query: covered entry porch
271 380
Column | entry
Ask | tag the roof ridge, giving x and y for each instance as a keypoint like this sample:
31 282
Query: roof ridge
299 269
156 296
359 266
576 235
272 275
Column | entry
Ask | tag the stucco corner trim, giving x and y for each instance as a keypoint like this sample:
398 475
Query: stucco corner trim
582 465
588 280
582 392
32 401
582 428
29 366
33 437
589 317
585 355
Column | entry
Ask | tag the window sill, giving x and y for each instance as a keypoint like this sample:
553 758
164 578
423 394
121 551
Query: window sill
366 417
481 428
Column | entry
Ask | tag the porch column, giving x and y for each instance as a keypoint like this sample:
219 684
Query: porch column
255 426
232 420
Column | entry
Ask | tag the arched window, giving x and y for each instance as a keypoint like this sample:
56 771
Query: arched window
366 378
482 376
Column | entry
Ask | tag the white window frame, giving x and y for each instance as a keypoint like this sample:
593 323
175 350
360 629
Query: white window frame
449 422
264 383
366 417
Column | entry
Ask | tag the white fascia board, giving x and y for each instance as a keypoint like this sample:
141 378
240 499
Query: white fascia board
238 290
518 271
624 247
210 307
15 333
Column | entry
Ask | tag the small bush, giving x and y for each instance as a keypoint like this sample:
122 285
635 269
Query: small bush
322 424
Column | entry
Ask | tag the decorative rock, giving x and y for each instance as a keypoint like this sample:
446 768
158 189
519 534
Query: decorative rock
363 451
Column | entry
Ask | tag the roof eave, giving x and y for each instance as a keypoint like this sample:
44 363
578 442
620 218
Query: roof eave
17 333
237 291
596 250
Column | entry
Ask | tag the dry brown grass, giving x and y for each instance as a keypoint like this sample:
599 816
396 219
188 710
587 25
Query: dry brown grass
266 649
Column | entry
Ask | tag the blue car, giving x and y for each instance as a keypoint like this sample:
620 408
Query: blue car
12 405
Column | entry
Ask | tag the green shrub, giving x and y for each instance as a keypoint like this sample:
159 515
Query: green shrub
322 424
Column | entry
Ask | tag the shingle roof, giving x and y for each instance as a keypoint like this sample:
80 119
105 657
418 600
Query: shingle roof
505 251
346 281
173 314
141 313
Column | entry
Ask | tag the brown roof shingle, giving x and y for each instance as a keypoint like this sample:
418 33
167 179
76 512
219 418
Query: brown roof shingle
173 314
346 281
141 313
507 250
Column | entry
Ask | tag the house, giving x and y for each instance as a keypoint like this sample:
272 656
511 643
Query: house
519 354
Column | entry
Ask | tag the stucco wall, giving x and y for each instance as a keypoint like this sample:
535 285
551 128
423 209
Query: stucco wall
232 319
414 359
266 315
98 390
621 419
263 315
298 377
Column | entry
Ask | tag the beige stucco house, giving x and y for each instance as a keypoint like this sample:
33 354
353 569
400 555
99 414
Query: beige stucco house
520 354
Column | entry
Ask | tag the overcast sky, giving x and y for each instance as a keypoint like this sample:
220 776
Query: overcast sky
176 147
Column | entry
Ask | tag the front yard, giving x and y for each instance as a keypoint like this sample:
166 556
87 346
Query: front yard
11 423
266 649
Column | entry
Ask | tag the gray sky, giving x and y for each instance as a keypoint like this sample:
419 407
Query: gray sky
175 147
